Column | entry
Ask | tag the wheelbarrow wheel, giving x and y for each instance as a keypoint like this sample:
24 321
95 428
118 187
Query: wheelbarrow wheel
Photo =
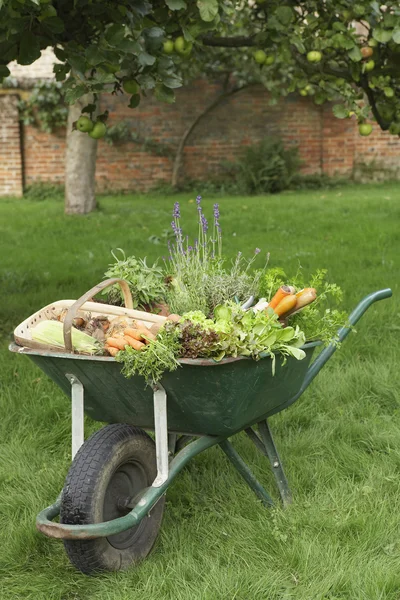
110 470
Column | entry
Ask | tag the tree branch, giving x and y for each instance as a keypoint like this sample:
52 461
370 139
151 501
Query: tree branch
384 125
229 42
179 153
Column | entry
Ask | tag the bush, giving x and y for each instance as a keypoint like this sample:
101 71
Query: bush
265 168
44 191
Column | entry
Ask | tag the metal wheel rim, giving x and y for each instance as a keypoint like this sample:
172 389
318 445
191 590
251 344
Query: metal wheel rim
127 481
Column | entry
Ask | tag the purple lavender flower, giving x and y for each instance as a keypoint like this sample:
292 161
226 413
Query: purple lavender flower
174 227
216 212
204 223
198 200
257 251
176 212
190 248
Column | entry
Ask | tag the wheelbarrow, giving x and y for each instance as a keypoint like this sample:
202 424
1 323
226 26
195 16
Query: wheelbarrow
112 503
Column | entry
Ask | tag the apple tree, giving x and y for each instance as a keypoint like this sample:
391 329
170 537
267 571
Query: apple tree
332 50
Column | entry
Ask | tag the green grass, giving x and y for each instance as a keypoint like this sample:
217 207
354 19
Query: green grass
340 443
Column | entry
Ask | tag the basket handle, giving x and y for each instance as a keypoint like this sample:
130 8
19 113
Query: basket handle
73 309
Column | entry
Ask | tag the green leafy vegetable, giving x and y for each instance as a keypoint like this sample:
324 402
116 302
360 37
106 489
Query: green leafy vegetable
146 283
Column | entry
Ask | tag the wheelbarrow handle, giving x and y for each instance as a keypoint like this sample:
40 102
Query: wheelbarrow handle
343 332
73 309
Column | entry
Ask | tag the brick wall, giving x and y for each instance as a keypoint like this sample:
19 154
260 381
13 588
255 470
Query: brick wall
11 183
327 145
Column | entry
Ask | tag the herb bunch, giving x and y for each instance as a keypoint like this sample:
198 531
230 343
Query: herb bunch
146 283
199 278
319 320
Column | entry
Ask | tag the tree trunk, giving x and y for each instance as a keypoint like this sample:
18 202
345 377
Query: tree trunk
181 146
80 164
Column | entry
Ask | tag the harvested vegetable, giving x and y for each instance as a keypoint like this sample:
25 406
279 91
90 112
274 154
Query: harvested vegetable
135 344
285 305
116 342
283 291
51 333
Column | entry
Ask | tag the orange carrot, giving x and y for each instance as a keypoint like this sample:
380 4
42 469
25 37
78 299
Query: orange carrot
280 294
112 351
115 342
303 298
133 333
134 343
140 333
285 305
145 331
305 290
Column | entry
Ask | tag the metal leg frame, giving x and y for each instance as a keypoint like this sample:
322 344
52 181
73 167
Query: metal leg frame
245 472
77 413
266 445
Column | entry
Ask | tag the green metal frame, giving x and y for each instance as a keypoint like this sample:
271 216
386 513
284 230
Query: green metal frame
264 442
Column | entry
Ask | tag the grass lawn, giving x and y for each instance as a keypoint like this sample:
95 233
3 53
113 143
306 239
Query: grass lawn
340 443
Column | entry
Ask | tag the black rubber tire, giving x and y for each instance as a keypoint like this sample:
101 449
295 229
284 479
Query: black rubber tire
116 459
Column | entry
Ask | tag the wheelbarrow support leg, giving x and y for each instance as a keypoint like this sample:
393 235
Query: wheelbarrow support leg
276 464
77 413
245 472
161 431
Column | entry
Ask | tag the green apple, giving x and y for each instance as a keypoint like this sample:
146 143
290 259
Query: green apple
180 44
259 57
303 92
389 92
130 86
314 56
98 131
84 124
369 66
269 59
168 46
365 129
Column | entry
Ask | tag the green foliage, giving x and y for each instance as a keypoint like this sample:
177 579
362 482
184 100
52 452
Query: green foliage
45 107
157 357
146 283
321 319
317 49
44 191
200 277
265 167
123 132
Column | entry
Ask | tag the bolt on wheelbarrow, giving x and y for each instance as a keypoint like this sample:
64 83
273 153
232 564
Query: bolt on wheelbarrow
112 503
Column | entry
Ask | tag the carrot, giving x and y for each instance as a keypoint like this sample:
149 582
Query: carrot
285 305
140 333
115 342
133 333
280 294
134 343
111 350
303 298
304 290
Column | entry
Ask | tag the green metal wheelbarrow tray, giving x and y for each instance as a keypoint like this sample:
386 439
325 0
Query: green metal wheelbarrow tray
112 503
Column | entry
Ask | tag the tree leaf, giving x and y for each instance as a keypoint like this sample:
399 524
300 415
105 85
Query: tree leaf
175 4
208 9
145 59
134 101
382 35
172 81
396 35
284 14
164 94
29 49
94 56
4 72
73 93
355 54
115 34
340 111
